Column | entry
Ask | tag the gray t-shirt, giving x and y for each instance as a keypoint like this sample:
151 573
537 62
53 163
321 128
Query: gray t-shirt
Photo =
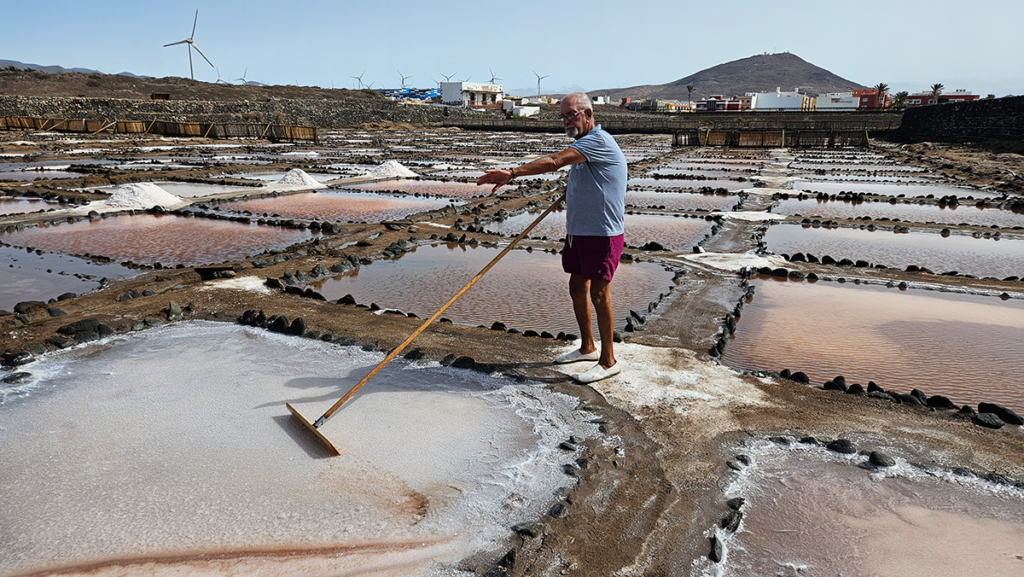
596 200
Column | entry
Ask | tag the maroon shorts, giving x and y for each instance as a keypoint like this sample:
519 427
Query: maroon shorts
592 257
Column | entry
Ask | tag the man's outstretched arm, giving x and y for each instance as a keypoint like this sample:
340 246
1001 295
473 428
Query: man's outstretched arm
549 163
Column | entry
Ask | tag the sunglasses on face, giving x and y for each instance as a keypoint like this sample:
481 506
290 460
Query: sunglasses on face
571 116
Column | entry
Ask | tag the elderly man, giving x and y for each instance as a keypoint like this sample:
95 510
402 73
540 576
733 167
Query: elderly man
596 205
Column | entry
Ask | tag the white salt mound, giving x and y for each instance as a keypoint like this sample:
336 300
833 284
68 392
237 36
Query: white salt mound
298 177
392 169
141 195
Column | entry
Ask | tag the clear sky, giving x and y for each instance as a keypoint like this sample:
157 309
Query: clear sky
976 45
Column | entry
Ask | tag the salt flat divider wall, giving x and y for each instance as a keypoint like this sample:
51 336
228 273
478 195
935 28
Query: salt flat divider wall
747 121
273 132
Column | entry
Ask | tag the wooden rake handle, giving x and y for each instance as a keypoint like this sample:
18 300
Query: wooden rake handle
433 317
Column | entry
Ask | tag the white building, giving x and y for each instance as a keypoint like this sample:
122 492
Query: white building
780 100
601 100
837 101
471 94
525 111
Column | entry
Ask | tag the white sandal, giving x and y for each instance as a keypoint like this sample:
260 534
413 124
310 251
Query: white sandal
576 356
597 373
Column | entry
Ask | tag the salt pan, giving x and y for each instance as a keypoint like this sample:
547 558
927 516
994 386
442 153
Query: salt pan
437 462
141 195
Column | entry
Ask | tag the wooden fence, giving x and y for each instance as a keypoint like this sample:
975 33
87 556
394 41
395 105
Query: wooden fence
273 132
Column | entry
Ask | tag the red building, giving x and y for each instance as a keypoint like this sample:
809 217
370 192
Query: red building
869 99
718 103
926 98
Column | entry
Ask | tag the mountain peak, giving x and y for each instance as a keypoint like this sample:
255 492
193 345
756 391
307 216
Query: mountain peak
758 73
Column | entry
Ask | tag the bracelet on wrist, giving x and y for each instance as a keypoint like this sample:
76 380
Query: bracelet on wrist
513 171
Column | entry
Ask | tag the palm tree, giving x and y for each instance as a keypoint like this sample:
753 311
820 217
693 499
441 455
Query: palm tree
689 93
936 91
881 88
899 100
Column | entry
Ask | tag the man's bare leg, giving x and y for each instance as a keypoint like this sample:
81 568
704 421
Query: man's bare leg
579 289
601 294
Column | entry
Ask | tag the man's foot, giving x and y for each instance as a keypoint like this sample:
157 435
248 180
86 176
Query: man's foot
597 373
575 356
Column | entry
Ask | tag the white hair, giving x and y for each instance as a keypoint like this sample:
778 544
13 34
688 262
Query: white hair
581 100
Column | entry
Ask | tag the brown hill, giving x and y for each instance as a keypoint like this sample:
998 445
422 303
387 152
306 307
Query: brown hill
97 85
761 73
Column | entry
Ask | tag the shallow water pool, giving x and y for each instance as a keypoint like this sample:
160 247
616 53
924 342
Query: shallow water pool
970 215
965 347
524 290
167 239
967 255
179 457
812 512
674 233
340 206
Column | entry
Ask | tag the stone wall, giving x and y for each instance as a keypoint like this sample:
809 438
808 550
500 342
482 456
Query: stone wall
318 113
998 119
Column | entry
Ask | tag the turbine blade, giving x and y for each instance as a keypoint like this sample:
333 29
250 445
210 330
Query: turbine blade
203 55
176 43
194 24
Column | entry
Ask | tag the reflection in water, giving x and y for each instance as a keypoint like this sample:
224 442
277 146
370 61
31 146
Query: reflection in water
730 185
680 200
976 256
434 187
701 170
674 233
965 347
888 189
839 176
345 206
909 212
148 239
28 175
19 205
855 166
524 290
28 276
808 512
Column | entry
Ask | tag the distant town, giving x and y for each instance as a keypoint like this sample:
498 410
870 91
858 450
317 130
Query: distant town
485 96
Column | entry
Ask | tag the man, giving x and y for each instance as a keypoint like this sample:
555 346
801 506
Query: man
596 206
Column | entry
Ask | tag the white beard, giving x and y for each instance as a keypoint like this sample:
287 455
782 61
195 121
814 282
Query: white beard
572 132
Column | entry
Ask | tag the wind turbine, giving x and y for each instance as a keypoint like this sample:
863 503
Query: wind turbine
448 77
219 79
192 45
359 79
539 78
404 78
244 81
493 77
